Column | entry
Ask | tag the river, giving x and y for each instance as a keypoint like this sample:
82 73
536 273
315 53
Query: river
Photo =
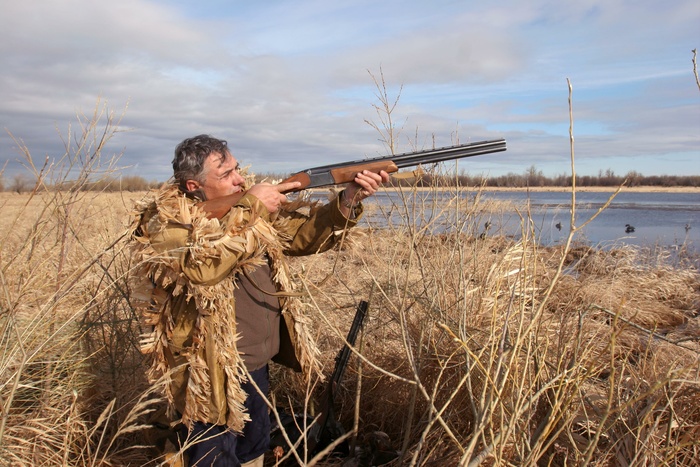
667 220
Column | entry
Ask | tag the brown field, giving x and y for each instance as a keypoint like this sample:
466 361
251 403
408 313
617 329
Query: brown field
478 350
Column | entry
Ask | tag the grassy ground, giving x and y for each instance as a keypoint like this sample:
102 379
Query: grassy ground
477 349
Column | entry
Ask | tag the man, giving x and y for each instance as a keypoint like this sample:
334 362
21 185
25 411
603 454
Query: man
220 302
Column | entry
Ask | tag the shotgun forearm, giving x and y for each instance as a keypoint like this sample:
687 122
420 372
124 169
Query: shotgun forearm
344 172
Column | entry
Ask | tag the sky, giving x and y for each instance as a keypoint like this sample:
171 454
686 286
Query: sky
296 84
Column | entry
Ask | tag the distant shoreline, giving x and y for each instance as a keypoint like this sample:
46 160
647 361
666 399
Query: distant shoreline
597 189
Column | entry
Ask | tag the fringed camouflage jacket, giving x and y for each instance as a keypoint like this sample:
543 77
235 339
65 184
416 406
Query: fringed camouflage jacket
187 266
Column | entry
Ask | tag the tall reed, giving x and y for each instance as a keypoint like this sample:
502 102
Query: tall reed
69 375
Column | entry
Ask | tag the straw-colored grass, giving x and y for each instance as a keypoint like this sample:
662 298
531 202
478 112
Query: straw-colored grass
495 370
478 349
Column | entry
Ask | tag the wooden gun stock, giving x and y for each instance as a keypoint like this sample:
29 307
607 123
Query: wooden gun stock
217 208
347 174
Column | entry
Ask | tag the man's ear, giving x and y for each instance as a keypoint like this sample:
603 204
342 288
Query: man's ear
192 185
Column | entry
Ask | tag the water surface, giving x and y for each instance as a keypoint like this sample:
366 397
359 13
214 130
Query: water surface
669 220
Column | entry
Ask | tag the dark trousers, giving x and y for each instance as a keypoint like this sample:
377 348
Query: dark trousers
216 445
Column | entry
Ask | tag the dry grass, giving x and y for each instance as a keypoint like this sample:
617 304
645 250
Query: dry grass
70 377
477 349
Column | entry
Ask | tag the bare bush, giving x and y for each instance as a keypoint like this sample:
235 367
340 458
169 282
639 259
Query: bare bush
20 184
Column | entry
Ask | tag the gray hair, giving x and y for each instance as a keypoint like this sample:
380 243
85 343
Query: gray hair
188 163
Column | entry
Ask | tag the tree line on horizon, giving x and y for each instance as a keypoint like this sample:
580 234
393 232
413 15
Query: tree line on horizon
532 177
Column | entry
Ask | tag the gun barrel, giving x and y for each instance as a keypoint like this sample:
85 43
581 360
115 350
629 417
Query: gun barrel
429 156
449 153
341 360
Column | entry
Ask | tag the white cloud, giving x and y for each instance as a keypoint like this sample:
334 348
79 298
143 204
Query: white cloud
436 55
287 82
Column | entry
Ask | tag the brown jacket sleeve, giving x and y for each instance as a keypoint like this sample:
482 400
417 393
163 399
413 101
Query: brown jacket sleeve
174 239
309 235
319 232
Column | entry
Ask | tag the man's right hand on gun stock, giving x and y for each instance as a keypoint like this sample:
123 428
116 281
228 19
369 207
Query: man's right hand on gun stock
271 195
366 184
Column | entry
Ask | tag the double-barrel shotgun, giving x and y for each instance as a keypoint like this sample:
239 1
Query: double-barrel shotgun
345 172
326 428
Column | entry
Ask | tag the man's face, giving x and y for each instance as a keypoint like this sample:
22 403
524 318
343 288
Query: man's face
221 177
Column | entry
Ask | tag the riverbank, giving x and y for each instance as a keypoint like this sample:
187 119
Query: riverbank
603 189
589 189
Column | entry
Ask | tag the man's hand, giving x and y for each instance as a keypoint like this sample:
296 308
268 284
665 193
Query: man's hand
271 195
366 184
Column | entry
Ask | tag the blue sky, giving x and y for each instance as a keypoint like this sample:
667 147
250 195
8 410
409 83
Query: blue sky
290 83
